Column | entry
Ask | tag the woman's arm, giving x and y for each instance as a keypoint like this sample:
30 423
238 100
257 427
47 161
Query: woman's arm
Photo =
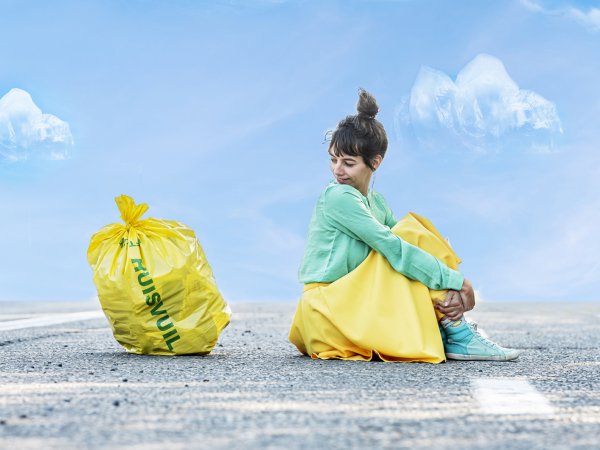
345 210
390 219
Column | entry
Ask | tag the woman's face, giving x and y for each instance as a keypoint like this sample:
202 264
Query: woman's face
351 170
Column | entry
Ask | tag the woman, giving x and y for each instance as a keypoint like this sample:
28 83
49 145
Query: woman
375 287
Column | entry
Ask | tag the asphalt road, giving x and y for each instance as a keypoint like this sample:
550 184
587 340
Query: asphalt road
71 385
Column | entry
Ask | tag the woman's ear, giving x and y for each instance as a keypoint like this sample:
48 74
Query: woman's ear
376 161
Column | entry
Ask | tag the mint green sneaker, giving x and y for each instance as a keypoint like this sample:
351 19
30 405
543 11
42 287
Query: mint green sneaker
463 342
443 334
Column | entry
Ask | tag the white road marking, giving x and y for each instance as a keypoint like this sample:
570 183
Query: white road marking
53 319
509 396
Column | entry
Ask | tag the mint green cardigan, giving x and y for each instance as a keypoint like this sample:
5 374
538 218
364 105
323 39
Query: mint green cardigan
346 225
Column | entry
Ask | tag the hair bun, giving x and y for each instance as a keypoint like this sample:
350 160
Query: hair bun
367 105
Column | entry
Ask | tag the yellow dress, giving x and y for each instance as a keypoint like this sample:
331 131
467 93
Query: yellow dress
374 309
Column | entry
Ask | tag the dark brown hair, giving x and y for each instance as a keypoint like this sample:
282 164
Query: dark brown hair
361 134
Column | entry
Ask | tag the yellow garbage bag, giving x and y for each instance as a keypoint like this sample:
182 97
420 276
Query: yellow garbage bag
374 310
155 285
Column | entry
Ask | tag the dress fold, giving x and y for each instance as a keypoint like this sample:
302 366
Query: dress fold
375 311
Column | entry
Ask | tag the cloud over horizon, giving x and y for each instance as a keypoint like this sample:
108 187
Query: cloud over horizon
588 17
482 110
26 132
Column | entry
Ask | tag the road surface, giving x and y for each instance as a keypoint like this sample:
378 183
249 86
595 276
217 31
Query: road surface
65 383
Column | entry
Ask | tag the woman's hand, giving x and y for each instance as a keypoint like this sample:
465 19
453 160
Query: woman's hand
457 302
452 307
467 295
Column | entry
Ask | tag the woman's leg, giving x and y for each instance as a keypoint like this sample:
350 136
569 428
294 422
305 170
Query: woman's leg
460 338
373 310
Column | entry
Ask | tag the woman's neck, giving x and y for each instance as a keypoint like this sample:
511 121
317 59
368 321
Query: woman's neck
364 190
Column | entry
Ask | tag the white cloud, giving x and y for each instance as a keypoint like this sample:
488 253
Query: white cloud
482 109
27 132
562 264
532 5
589 18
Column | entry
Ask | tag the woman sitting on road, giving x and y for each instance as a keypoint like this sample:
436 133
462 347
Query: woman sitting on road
375 287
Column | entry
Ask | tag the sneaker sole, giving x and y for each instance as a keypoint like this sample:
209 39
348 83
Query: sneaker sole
460 357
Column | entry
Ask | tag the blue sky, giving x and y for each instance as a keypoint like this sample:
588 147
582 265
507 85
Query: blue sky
214 114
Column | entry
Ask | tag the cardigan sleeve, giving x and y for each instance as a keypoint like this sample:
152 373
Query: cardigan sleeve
389 220
345 210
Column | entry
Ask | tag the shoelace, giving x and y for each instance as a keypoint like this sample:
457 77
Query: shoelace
473 327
